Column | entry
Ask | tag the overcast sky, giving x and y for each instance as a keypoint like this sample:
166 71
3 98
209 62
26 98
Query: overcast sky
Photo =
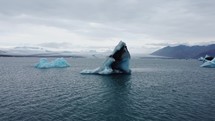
145 25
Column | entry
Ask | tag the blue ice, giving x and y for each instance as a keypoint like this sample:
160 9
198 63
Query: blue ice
209 64
57 63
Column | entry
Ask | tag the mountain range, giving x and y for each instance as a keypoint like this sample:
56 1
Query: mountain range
186 52
36 52
28 51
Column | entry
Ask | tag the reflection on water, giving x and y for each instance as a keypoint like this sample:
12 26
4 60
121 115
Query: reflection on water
118 97
116 81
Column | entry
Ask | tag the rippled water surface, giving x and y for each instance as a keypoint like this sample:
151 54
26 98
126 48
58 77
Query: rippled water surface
157 89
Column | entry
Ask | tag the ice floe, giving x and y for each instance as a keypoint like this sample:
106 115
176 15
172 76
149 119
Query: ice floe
57 63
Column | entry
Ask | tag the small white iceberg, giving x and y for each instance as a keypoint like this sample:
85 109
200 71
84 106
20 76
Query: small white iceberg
206 58
209 64
57 63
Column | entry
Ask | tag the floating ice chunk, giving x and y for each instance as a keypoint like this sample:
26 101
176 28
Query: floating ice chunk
117 62
209 64
201 59
57 63
206 58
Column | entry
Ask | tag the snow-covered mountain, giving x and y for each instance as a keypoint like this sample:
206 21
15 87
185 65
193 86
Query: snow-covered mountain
186 52
35 52
43 52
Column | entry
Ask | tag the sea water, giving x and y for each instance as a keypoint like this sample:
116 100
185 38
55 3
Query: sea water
156 90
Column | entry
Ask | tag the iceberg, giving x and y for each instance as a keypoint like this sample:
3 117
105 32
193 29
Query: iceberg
206 58
116 63
209 64
57 63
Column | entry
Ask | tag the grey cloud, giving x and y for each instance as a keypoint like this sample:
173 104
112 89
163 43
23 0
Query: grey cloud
157 45
165 20
56 45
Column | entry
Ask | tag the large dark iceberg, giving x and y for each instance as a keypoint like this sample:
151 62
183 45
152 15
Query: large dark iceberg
116 63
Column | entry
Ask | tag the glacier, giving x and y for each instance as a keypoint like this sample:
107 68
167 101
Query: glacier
57 63
116 63
209 64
